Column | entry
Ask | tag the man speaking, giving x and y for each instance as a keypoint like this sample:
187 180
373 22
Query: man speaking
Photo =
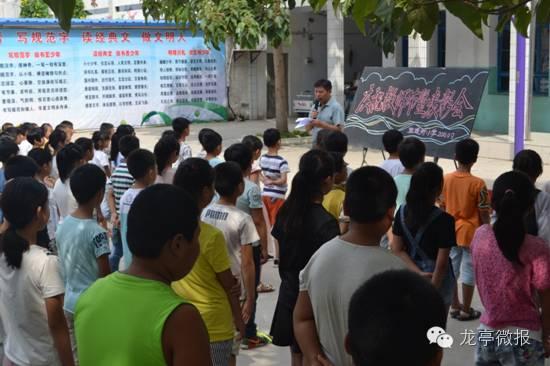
326 113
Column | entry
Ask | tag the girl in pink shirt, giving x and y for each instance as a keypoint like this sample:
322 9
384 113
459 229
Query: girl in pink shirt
512 271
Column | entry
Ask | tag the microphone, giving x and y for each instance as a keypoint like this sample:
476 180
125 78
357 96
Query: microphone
316 105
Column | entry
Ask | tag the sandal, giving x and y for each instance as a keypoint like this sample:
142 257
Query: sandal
263 288
454 313
464 316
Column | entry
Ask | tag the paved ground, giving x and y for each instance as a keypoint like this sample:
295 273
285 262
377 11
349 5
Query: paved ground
232 132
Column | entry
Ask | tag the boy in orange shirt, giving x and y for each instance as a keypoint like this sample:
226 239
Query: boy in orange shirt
465 197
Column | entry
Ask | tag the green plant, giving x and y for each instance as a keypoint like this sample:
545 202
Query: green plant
34 9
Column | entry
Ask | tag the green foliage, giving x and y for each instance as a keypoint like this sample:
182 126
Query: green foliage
34 9
79 12
388 20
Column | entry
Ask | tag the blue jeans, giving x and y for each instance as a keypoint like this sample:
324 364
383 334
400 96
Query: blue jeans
114 258
493 354
251 328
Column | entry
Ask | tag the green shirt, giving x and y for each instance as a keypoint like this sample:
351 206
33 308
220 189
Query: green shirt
119 321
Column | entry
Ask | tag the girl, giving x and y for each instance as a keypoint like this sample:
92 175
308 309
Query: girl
48 129
55 143
101 141
512 271
68 159
87 147
166 153
423 234
301 227
31 288
121 131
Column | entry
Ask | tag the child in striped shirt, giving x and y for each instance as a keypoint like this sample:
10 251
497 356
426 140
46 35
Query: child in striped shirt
274 177
121 180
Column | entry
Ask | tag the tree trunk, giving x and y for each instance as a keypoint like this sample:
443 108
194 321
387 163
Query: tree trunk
281 98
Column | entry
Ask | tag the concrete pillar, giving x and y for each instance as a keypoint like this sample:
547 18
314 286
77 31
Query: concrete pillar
335 53
10 8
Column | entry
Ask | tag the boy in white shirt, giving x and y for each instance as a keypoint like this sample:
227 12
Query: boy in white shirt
181 127
238 229
391 141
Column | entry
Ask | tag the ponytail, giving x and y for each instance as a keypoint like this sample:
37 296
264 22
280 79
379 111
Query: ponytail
20 200
513 197
164 149
315 167
121 131
426 185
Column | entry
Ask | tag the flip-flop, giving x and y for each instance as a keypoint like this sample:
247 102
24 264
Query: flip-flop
467 316
263 288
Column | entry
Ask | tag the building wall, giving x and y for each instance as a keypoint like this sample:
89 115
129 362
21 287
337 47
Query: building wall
248 88
10 8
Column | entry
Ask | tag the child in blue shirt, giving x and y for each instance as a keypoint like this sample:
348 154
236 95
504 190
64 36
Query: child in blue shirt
83 245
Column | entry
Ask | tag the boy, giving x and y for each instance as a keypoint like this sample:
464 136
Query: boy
387 306
320 315
412 153
211 142
35 137
83 245
256 146
466 198
237 228
143 168
24 145
108 128
274 176
333 201
121 180
209 285
181 127
391 140
135 318
250 202
68 127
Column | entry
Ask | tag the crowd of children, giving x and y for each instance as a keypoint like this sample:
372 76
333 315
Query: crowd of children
193 234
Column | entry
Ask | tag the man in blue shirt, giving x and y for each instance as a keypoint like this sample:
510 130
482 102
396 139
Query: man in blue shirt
326 113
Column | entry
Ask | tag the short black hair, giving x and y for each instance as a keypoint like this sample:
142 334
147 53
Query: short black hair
139 162
271 137
466 151
6 125
8 148
86 182
391 140
169 133
193 175
528 162
46 125
66 124
99 136
175 212
240 154
228 177
338 161
253 142
370 193
22 131
321 139
40 156
35 135
85 144
323 83
106 127
57 138
179 125
11 132
411 152
210 140
67 158
388 305
127 144
337 141
20 166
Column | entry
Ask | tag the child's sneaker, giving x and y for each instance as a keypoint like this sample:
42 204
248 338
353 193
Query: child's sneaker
260 340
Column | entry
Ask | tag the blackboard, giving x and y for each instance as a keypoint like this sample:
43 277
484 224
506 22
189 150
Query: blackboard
436 105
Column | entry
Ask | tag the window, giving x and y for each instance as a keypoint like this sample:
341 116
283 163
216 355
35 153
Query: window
405 51
541 60
441 41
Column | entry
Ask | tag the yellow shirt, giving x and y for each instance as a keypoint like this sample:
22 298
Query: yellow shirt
333 201
202 288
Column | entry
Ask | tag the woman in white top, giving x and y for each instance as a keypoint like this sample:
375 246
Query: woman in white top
31 288
166 153
68 159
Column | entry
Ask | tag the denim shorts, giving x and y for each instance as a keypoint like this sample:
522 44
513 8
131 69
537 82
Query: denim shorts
463 268
492 353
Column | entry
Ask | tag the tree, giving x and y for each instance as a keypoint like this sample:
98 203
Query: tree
79 12
388 20
34 9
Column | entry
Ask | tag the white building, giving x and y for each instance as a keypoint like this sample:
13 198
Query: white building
114 9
